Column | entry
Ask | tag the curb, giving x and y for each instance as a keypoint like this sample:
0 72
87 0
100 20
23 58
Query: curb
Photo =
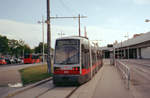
27 88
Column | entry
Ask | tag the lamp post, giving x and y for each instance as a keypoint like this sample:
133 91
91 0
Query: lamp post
147 20
42 22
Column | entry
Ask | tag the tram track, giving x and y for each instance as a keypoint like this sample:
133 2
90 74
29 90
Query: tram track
59 92
44 90
22 90
71 93
67 95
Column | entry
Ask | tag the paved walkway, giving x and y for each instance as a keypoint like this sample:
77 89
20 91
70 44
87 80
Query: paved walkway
107 83
110 84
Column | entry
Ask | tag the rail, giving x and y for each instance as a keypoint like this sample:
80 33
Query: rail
125 70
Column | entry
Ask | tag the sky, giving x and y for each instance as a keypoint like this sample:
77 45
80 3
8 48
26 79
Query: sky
107 20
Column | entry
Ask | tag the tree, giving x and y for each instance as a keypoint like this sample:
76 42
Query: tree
13 47
39 48
4 45
27 49
18 48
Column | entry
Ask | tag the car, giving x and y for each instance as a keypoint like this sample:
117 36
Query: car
2 61
12 60
7 60
19 61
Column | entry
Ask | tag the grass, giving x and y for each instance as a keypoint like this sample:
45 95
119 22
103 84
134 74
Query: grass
34 74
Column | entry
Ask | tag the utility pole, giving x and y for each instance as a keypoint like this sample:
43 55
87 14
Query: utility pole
79 26
85 33
42 22
48 38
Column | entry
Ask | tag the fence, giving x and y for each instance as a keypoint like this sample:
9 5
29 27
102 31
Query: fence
124 69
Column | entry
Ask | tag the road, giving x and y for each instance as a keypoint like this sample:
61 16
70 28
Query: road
9 75
140 76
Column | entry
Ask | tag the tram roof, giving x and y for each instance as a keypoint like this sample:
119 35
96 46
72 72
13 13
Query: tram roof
133 41
73 37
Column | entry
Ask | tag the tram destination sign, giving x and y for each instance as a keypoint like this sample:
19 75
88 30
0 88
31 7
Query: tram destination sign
67 42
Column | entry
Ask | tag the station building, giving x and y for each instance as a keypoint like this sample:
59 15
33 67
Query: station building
137 47
106 51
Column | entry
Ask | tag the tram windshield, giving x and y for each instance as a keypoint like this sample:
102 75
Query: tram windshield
67 51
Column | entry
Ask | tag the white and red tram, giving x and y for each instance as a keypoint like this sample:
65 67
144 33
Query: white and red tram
75 60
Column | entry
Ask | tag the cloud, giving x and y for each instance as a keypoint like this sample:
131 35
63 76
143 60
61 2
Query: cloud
18 30
32 33
142 2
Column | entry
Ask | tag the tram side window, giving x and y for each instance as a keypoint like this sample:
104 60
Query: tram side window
85 59
93 58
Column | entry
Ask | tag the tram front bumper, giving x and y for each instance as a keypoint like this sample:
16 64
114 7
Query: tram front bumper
66 79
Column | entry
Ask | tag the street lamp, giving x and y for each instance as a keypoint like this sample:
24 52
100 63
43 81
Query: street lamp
147 20
42 22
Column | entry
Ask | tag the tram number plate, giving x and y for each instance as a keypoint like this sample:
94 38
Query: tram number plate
66 68
66 72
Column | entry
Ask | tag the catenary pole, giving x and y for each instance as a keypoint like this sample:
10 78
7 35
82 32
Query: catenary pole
43 36
48 38
42 22
79 26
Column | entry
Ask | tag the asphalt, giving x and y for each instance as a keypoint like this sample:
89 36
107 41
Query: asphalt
9 75
139 74
107 83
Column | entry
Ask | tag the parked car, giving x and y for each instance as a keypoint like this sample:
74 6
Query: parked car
7 60
2 61
12 60
18 60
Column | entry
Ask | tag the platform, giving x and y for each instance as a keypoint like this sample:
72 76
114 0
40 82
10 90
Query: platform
107 83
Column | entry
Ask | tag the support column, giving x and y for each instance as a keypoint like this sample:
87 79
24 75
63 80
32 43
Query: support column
137 53
124 53
128 53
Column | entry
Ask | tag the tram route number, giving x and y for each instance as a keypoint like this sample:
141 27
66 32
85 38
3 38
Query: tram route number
66 68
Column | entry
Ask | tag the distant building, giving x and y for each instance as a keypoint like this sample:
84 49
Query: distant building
106 51
137 47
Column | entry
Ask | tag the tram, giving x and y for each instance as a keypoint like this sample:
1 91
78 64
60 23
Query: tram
75 60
